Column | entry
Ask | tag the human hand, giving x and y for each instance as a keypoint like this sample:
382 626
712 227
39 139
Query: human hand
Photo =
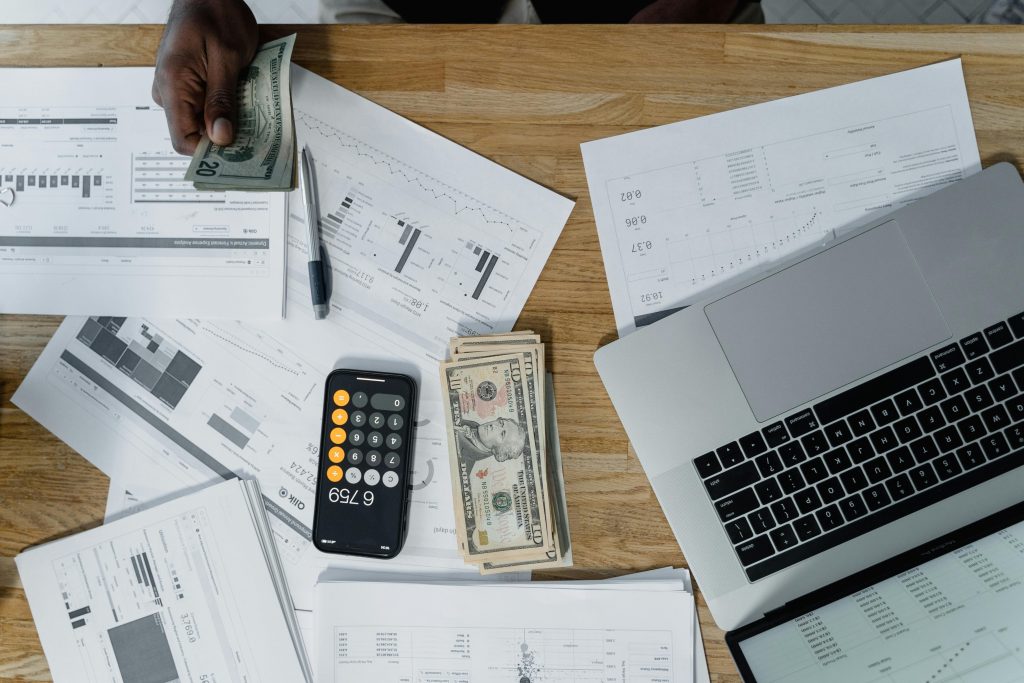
205 46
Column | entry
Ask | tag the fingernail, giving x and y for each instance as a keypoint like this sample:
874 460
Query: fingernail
222 132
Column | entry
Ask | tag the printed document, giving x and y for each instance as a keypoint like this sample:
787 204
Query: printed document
166 405
187 591
100 219
684 206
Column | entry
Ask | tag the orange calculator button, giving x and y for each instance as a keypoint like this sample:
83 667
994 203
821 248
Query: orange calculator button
334 473
338 435
341 397
340 416
336 454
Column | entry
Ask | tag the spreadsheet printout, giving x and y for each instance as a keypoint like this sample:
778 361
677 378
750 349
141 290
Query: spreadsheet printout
685 206
101 220
424 240
954 619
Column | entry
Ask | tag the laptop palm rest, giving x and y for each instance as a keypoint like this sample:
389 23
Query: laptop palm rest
826 321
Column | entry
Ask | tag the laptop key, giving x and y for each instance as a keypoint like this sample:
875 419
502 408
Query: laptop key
815 444
829 518
995 418
1002 388
1015 436
837 460
874 390
769 464
807 500
931 419
907 430
707 465
806 527
814 470
932 391
1017 325
853 507
753 444
755 550
784 511
1018 377
791 481
948 357
784 537
792 453
980 370
739 530
948 439
899 487
884 440
775 434
955 408
1009 357
900 459
761 520
877 470
730 454
860 450
924 449
908 402
956 381
732 480
854 480
979 398
802 423
971 428
884 412
970 456
974 346
876 497
998 335
923 476
1016 408
995 446
862 422
838 433
831 490
767 491
736 505
947 466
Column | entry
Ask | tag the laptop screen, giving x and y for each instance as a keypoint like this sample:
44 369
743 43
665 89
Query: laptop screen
956 618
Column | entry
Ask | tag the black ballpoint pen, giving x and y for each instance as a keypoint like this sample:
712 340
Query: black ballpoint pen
317 281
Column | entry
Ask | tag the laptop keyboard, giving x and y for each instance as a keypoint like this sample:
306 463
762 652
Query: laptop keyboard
893 445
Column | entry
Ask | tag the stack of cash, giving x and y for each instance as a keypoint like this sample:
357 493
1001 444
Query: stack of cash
506 466
262 157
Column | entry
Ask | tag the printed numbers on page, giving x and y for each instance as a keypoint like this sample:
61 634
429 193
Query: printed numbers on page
651 297
642 247
635 221
630 195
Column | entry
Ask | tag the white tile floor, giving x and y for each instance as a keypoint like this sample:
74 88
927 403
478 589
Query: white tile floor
305 11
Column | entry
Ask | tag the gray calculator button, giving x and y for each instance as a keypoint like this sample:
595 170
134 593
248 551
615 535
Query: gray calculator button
354 456
356 438
395 422
374 440
393 440
373 458
371 478
353 475
376 420
392 460
390 479
357 419
389 402
360 399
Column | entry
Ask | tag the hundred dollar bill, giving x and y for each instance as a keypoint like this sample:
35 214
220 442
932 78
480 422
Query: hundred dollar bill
262 157
496 468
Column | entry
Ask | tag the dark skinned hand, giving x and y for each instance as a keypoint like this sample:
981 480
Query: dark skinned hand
205 46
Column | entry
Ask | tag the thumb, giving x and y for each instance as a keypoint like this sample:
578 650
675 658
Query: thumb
219 111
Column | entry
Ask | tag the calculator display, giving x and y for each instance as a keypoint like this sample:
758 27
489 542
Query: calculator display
365 462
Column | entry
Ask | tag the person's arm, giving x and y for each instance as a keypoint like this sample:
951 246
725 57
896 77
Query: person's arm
205 46
686 12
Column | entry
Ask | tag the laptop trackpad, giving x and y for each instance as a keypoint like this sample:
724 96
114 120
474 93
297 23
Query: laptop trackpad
827 321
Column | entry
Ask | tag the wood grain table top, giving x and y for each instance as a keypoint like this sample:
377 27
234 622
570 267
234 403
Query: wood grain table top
526 97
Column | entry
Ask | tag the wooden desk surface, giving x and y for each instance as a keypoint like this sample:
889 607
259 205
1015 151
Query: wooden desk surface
525 97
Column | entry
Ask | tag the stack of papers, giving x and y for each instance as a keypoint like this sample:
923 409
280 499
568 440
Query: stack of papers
393 629
191 590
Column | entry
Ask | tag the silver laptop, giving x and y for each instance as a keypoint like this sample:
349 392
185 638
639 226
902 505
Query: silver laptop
848 404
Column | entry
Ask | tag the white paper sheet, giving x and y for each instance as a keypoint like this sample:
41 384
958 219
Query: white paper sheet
101 220
684 206
253 400
395 632
183 592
